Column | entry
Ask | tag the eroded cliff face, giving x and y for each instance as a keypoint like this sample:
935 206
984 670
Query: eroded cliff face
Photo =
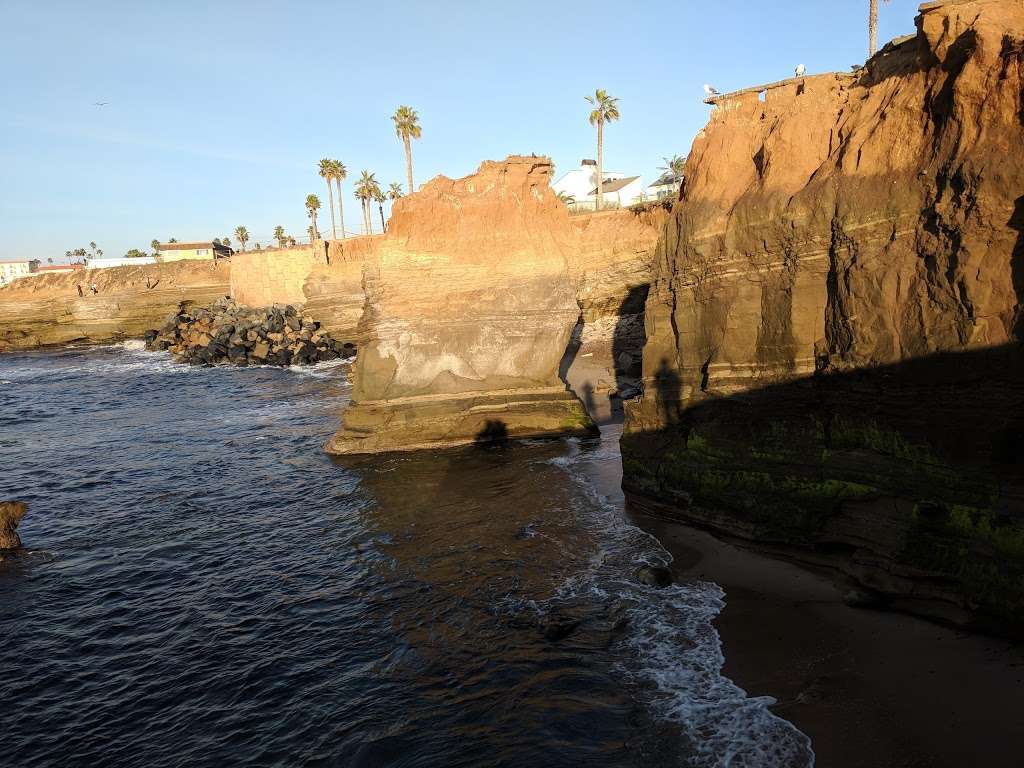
47 309
469 307
833 363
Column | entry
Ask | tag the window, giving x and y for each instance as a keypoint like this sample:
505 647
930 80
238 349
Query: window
201 251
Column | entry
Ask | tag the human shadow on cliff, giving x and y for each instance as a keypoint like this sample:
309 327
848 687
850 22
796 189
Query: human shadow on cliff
964 409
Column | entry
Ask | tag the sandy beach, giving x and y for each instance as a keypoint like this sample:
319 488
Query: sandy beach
870 688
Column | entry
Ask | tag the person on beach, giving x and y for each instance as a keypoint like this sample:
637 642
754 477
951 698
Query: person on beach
81 293
94 289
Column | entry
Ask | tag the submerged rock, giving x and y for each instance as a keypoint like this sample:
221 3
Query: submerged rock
654 576
229 333
11 513
556 627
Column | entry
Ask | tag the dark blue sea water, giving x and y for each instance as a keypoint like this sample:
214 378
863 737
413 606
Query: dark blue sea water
203 586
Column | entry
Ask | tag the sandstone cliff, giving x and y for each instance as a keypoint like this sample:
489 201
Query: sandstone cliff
833 361
470 304
47 309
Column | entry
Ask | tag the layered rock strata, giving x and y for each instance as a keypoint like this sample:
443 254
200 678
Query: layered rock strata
833 364
470 305
48 310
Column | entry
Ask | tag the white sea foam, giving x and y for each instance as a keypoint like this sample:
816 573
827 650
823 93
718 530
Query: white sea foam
671 649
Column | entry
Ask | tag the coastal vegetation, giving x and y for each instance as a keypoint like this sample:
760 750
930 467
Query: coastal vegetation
605 110
407 127
312 206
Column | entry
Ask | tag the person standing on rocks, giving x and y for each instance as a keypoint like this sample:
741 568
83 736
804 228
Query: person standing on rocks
81 293
94 289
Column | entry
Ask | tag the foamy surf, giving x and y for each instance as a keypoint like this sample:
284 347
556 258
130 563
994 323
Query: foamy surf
671 651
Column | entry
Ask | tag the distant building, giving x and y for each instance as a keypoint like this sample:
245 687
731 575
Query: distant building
666 186
49 270
123 261
15 268
182 251
579 187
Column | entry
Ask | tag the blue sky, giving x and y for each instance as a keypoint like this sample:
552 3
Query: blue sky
219 111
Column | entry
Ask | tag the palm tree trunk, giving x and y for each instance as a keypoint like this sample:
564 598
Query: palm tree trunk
316 232
408 163
873 28
600 165
366 216
341 210
330 201
383 226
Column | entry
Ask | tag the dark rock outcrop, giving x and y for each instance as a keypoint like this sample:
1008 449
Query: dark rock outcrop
228 333
833 365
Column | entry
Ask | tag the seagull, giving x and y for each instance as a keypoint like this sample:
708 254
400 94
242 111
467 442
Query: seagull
100 103
800 69
709 91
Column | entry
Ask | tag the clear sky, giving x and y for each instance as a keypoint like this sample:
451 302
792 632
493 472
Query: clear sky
219 110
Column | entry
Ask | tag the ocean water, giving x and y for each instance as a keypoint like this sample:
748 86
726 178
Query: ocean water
203 586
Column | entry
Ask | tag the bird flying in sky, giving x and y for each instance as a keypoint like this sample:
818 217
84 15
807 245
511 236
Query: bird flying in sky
100 103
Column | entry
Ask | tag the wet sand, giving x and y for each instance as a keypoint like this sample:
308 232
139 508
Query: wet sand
872 689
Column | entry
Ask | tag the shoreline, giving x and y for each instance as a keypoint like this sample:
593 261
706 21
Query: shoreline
869 687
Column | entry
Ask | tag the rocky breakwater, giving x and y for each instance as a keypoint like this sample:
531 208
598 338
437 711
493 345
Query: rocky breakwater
469 307
49 310
833 366
228 333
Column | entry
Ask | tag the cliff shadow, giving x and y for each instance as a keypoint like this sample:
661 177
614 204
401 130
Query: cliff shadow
914 468
963 409
628 340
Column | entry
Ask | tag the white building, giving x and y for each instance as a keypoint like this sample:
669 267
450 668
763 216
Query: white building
13 269
666 186
138 261
579 187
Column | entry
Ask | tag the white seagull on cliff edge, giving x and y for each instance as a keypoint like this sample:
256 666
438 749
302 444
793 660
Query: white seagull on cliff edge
709 91
800 69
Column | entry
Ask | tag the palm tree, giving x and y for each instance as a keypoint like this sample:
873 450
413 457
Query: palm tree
873 27
407 126
155 245
606 110
566 198
49 260
280 236
312 206
674 165
340 173
309 231
172 240
394 191
380 198
92 247
243 237
227 242
327 174
367 189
